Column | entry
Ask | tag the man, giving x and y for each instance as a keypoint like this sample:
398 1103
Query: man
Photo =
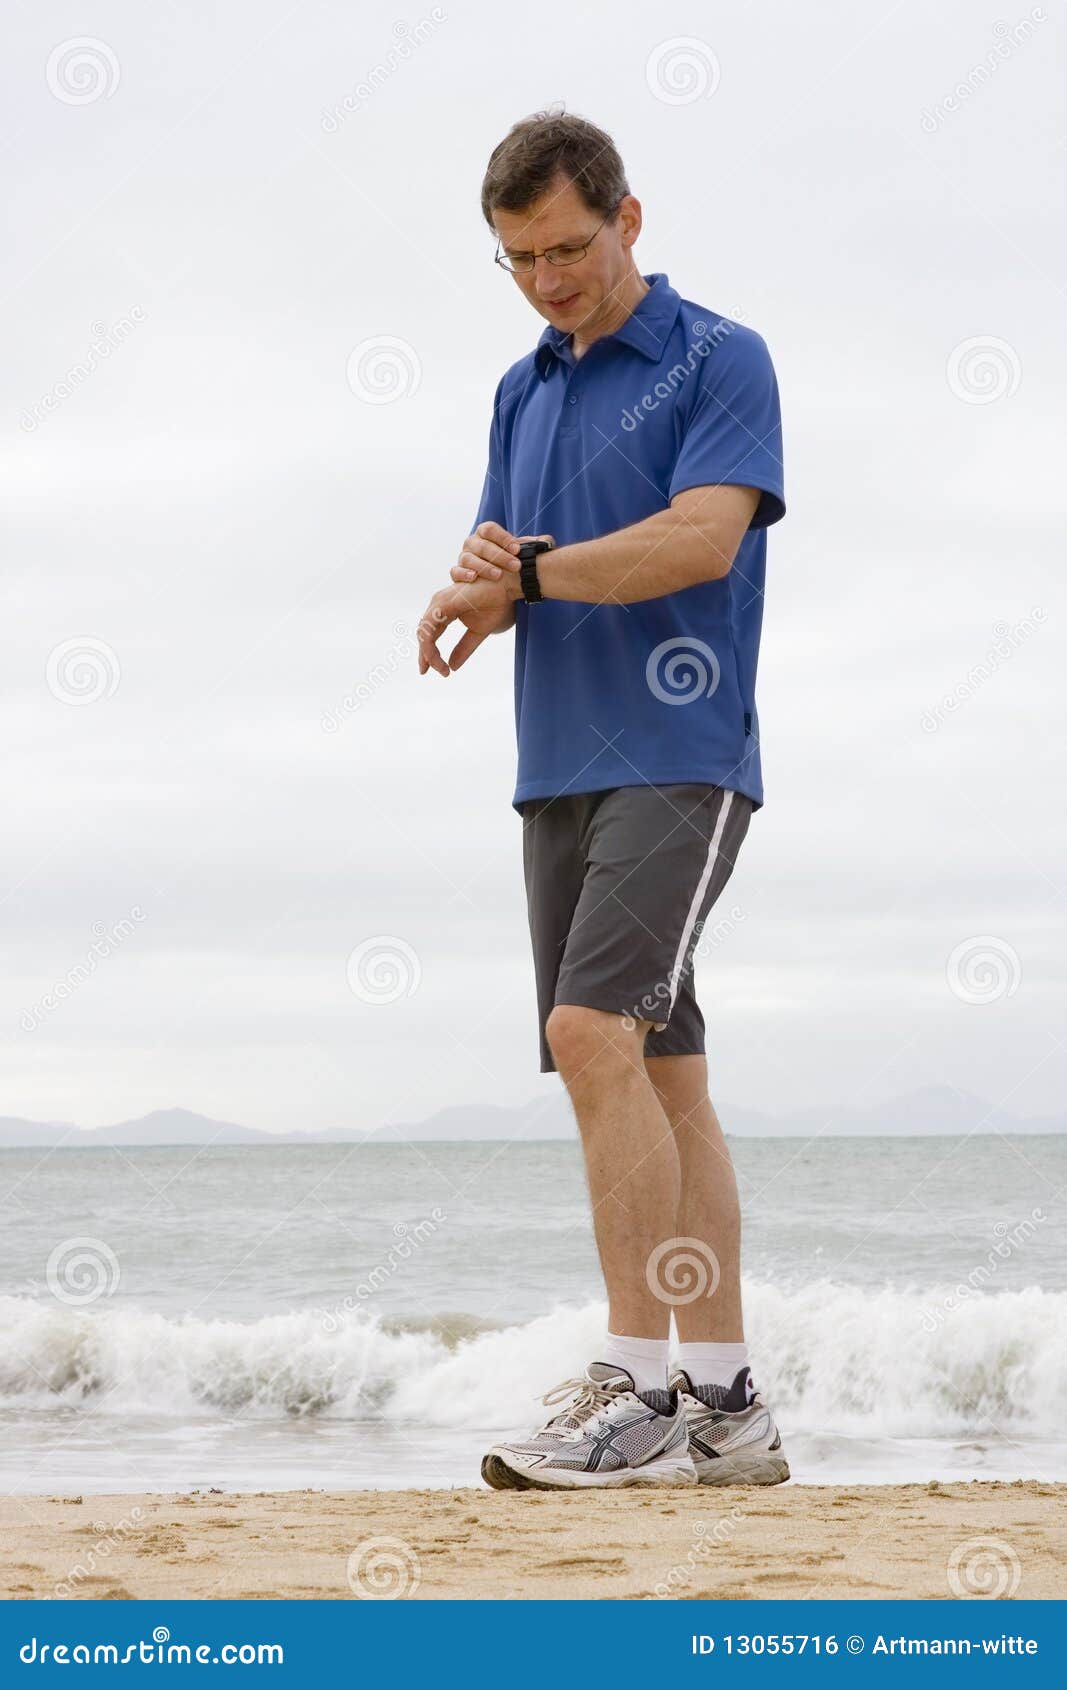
639 449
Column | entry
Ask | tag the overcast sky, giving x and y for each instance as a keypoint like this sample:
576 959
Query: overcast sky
235 514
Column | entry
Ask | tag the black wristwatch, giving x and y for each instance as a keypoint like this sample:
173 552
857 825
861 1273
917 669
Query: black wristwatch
529 551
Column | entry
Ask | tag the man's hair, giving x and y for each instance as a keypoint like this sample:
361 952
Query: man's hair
540 148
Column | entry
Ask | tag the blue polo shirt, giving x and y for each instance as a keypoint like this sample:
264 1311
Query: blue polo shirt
662 690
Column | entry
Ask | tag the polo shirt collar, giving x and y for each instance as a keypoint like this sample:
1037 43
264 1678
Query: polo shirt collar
645 329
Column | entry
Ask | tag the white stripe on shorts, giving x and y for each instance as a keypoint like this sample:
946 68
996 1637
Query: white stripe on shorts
698 898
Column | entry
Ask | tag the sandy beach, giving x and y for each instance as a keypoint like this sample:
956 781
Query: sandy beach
931 1541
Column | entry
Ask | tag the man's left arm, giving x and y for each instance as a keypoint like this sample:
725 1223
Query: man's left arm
726 479
695 539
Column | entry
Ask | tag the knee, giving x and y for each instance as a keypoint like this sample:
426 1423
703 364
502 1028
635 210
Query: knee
579 1037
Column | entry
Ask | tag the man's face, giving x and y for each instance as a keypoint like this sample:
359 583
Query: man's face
573 296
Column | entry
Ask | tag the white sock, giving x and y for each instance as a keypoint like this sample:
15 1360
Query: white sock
645 1359
712 1364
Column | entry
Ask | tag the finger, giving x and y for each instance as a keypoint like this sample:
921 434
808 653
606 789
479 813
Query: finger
465 648
432 625
493 532
459 572
477 565
478 547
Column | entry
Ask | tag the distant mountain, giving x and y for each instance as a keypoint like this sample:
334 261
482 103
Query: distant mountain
541 1118
162 1126
931 1111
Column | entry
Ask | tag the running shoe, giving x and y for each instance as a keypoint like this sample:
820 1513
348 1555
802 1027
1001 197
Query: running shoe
607 1436
732 1436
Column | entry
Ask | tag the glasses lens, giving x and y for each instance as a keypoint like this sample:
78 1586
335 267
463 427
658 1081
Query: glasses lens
520 261
564 255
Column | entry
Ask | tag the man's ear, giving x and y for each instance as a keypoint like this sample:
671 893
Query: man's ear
630 217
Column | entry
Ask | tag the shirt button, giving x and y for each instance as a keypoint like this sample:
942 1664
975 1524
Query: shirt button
574 399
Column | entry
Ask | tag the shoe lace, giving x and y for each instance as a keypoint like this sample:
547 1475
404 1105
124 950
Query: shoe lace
585 1399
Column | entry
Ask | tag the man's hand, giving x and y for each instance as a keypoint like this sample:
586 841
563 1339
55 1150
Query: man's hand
483 607
490 553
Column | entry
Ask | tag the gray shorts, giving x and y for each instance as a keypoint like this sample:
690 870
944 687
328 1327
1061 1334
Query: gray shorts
618 887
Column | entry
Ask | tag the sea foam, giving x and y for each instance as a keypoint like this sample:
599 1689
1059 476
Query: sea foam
835 1359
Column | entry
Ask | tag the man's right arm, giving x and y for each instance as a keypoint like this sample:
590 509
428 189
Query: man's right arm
492 504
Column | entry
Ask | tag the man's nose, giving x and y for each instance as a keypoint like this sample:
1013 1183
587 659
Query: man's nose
545 278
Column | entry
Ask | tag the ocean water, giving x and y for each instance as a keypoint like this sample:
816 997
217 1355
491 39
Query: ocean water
370 1315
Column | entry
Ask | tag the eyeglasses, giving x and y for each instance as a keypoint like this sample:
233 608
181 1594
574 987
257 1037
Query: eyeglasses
523 262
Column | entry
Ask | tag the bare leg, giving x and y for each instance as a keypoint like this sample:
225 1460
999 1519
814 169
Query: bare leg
708 1208
631 1157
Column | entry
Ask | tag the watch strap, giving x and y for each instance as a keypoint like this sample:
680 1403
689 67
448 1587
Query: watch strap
529 552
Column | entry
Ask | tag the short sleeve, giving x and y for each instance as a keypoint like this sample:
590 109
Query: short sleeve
732 432
492 506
